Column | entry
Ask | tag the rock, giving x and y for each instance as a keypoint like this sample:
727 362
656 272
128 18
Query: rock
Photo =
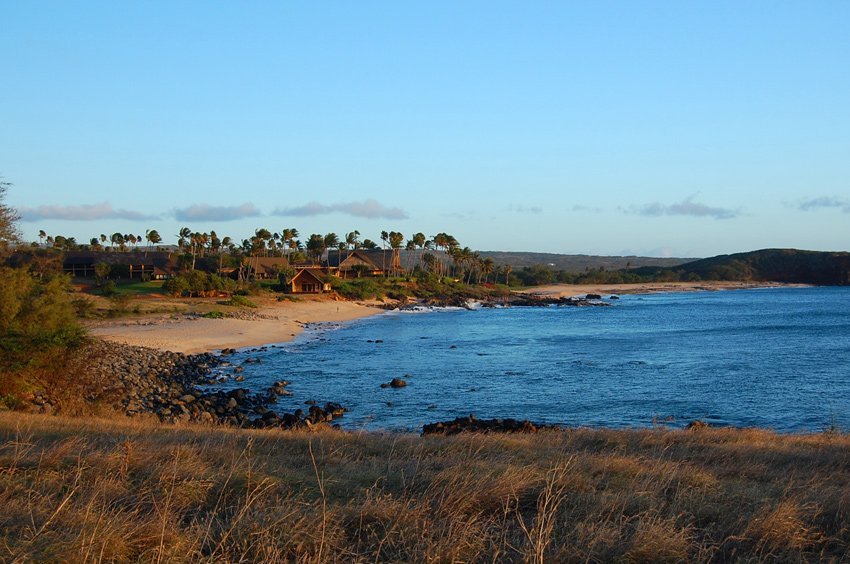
593 297
394 383
188 398
471 424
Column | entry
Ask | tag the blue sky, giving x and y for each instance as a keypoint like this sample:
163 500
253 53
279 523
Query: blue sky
669 128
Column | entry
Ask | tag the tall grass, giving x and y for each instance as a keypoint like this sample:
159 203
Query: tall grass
96 489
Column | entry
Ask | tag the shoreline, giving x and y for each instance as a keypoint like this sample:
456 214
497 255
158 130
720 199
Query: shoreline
280 322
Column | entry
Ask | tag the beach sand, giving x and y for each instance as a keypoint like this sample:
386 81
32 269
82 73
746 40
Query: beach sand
569 290
273 322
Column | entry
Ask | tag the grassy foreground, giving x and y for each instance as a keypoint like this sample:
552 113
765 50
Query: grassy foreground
94 489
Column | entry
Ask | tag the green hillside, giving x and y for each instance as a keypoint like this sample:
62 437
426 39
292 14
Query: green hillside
769 265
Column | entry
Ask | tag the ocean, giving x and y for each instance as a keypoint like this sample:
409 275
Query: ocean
777 358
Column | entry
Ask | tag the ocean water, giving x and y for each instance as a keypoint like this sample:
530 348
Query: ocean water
776 358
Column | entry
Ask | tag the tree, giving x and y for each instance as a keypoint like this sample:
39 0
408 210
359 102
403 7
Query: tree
42 235
117 239
487 267
8 217
316 246
331 242
182 236
396 241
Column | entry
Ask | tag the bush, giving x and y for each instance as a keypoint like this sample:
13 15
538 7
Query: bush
109 289
38 331
239 301
214 315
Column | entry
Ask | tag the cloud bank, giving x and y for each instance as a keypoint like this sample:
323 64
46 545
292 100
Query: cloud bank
84 212
369 209
824 202
687 207
204 212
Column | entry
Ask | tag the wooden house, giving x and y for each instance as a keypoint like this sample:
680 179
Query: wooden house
309 281
359 263
135 265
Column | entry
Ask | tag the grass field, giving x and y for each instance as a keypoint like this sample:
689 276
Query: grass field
90 489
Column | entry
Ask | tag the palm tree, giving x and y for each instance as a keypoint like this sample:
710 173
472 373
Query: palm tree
331 242
316 246
384 238
508 270
352 240
288 236
396 241
42 236
117 239
487 267
153 237
183 236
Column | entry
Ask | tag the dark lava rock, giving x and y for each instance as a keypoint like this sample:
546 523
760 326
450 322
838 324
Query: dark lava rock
593 297
472 424
696 425
394 383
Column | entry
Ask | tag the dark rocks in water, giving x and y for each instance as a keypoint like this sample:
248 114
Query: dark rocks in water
614 298
531 300
252 361
593 297
279 388
225 352
379 340
453 347
394 383
238 369
472 424
696 425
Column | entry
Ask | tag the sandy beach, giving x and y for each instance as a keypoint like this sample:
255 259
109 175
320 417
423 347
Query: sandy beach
273 322
569 290
278 322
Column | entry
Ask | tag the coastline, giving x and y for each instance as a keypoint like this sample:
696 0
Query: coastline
573 290
279 322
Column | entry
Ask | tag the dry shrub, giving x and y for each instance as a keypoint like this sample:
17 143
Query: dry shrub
658 539
781 529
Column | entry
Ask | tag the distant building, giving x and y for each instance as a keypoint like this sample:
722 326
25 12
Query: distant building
152 265
309 281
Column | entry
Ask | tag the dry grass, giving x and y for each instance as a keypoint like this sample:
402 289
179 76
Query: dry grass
93 490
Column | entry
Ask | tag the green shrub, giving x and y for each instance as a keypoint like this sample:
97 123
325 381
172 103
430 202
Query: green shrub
109 289
239 301
214 315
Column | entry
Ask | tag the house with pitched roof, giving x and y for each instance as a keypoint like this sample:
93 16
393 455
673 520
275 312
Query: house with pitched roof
309 281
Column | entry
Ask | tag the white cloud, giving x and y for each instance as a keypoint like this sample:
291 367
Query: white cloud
204 212
370 209
84 212
686 207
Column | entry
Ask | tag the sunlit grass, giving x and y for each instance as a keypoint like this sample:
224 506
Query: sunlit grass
95 489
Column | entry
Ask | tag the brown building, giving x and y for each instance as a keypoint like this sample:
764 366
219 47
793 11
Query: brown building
152 265
309 281
359 263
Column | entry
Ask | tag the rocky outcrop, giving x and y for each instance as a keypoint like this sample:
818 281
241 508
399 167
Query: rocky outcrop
472 424
140 381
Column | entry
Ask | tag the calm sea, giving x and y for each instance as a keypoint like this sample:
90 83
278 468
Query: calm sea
777 358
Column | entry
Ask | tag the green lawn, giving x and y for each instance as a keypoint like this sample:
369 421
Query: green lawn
140 288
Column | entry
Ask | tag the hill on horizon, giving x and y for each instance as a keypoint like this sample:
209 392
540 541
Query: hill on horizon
580 263
766 265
